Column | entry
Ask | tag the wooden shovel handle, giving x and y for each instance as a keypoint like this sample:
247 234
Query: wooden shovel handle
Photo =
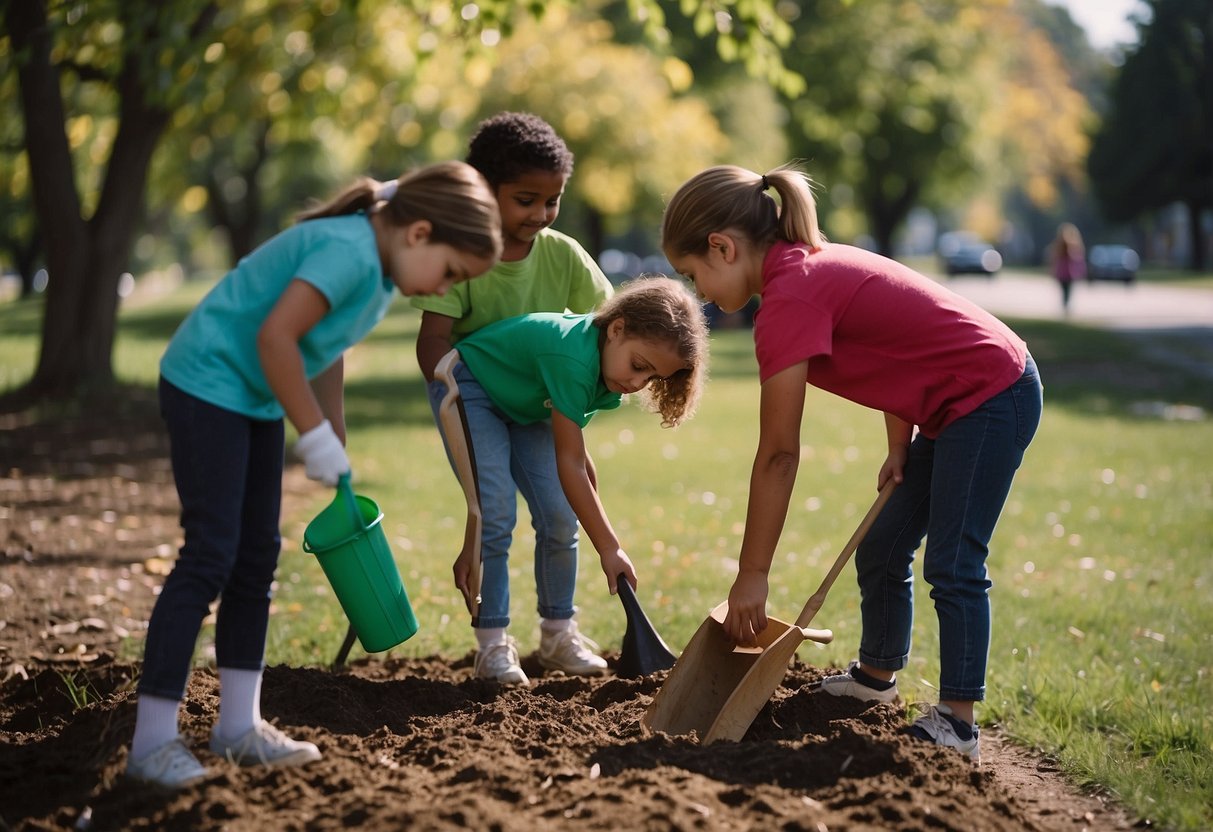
818 598
459 440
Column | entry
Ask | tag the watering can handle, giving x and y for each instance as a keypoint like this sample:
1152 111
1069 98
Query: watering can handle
347 491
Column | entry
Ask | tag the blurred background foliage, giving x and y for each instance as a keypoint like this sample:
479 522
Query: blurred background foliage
188 131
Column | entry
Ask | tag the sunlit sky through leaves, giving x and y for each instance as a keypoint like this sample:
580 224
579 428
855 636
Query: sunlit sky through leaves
1106 21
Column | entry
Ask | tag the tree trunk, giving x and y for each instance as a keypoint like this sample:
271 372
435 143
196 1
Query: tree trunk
84 258
1196 237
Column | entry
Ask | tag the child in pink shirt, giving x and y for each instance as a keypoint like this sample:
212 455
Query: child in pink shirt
960 396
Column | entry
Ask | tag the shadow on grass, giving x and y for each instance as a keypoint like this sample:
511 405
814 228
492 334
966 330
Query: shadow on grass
1099 371
1084 369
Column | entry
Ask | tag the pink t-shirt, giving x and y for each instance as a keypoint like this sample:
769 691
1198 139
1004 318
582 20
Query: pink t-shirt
880 334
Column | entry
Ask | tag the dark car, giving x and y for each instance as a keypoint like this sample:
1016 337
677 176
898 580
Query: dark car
1112 262
961 252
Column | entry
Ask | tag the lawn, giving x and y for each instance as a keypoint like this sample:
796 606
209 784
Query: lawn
1103 581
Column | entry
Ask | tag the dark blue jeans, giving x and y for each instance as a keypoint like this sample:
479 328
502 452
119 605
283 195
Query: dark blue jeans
228 470
954 489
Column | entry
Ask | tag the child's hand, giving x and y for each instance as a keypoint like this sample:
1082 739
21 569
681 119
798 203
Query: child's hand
463 576
893 467
616 565
323 454
747 608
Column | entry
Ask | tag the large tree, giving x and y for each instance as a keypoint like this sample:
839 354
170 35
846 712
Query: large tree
1155 147
148 59
891 109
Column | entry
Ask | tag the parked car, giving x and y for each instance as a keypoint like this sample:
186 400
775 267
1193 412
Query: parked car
962 252
1112 263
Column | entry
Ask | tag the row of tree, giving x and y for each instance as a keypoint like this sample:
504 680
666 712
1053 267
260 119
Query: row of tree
230 115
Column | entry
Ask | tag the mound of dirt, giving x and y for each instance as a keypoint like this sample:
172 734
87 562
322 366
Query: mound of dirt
411 743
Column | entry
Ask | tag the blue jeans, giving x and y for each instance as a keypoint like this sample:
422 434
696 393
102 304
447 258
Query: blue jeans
512 458
228 470
954 489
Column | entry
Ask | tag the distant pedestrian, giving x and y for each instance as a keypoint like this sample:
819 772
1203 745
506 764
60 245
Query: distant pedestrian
266 344
1068 259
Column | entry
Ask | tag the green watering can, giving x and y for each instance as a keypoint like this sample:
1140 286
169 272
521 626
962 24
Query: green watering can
347 539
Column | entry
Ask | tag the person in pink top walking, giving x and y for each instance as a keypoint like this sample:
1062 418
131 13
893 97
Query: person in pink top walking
961 400
1068 260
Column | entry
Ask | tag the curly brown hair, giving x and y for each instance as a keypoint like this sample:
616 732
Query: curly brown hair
663 310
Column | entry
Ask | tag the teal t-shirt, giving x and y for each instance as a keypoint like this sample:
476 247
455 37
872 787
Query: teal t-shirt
532 364
213 354
557 275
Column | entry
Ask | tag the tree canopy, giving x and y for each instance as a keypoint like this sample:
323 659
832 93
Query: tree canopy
145 68
1156 145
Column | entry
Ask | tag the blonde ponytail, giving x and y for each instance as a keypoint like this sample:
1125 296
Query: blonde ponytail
728 197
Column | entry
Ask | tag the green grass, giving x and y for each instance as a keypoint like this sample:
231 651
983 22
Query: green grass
1103 576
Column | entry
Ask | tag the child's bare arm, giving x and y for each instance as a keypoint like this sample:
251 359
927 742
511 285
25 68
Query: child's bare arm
771 481
900 433
579 482
296 312
329 388
433 341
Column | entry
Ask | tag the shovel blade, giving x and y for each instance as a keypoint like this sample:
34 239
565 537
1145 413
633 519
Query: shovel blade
706 676
756 687
643 650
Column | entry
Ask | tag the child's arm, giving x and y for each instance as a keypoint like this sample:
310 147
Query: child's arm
296 312
900 433
580 484
433 341
771 482
329 388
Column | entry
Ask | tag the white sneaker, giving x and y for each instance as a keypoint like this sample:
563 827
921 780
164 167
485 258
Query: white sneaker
571 652
263 744
171 766
845 684
499 663
936 726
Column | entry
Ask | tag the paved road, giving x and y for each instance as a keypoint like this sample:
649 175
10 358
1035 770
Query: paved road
1141 306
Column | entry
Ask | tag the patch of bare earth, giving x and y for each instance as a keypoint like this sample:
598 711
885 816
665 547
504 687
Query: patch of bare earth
88 528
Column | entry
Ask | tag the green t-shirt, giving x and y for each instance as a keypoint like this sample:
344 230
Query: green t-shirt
532 364
557 275
213 354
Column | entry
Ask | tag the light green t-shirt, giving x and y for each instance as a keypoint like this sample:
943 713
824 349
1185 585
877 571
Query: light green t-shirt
557 275
213 354
532 364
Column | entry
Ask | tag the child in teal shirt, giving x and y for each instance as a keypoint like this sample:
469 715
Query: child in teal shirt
267 343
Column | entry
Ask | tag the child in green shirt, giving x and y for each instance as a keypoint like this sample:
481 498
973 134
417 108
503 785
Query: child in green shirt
541 270
546 375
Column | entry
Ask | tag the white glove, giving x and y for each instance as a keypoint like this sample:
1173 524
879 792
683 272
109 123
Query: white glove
323 454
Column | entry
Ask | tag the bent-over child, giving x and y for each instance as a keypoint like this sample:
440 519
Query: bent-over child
558 370
541 270
961 400
267 342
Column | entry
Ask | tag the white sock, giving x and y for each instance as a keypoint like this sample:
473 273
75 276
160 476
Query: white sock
554 626
155 724
239 701
489 636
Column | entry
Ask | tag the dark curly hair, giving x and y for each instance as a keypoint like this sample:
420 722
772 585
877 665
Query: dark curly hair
507 146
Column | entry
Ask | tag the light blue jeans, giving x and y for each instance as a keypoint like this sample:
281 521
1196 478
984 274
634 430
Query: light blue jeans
954 489
512 458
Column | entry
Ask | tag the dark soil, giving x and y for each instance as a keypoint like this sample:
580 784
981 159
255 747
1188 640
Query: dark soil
88 528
